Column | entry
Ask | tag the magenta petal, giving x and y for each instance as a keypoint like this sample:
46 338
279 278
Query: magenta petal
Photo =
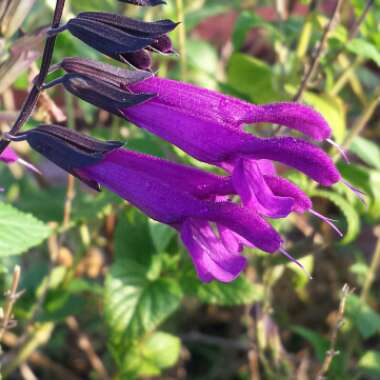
297 153
284 188
9 156
295 116
212 260
256 194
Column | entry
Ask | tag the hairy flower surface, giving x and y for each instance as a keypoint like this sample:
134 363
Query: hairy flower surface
192 201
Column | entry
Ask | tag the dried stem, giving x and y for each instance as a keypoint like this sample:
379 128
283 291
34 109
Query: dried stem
31 100
85 345
371 275
331 353
320 51
11 297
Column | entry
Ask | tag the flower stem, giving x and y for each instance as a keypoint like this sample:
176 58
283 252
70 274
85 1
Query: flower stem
31 100
182 39
371 275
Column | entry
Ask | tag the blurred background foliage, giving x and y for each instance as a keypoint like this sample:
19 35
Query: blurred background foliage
110 294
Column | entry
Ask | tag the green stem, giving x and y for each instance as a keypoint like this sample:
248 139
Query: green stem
182 39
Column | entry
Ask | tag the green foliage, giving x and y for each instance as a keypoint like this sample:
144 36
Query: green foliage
19 231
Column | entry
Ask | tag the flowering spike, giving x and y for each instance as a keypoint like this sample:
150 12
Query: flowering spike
328 221
292 259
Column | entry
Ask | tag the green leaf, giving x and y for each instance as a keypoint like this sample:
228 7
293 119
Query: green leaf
245 22
370 363
364 318
135 304
161 234
351 215
255 78
151 355
238 292
366 150
364 49
332 109
19 231
318 342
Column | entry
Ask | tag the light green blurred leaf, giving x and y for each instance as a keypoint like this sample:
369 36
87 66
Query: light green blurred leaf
332 109
239 292
364 49
351 215
255 78
151 355
370 363
19 231
367 150
364 318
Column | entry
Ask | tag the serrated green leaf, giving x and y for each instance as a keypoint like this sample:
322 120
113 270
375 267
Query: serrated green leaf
364 318
19 231
349 212
134 304
238 292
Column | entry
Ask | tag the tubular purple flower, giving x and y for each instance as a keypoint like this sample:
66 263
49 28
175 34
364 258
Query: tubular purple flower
218 144
181 197
233 112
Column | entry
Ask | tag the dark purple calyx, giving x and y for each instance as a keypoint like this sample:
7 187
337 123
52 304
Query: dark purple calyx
132 26
143 3
105 38
67 148
116 76
102 94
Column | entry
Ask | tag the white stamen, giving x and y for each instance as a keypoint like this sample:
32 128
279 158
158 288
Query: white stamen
328 221
341 150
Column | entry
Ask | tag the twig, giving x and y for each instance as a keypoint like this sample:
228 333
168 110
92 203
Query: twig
355 28
85 345
31 100
363 120
331 353
371 274
11 297
320 51
182 39
40 360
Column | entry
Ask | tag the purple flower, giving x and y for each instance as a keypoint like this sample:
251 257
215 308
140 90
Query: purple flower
209 126
192 201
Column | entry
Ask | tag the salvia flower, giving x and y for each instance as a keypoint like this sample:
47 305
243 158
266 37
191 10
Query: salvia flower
209 126
122 38
188 199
